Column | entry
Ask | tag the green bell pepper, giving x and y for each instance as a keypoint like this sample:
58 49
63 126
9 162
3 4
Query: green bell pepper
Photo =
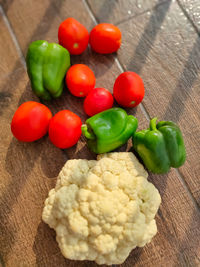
161 146
109 129
47 64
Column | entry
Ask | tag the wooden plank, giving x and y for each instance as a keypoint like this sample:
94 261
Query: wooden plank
33 243
117 11
45 22
192 8
23 166
7 64
164 49
29 170
22 184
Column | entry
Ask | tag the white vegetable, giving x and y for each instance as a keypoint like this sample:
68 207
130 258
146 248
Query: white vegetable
102 209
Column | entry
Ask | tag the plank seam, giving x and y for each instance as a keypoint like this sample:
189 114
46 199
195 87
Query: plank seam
185 185
144 110
13 36
141 13
188 17
89 9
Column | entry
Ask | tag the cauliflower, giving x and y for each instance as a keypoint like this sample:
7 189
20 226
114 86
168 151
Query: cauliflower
102 209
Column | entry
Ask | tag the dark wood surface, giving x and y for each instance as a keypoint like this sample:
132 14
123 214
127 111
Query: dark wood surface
160 41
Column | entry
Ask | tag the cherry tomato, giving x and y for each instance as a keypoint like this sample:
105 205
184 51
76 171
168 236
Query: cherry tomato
30 121
80 80
105 38
128 89
65 129
98 100
73 36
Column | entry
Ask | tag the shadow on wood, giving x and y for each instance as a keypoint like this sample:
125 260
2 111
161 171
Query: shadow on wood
49 11
52 160
20 160
99 63
45 246
148 37
6 4
182 90
106 10
47 252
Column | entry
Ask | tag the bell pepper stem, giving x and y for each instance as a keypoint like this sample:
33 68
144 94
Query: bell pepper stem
87 132
152 125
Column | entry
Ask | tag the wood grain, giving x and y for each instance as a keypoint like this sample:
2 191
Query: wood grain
30 170
7 62
192 9
115 11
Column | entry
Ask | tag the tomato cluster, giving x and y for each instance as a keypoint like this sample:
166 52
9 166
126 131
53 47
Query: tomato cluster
104 38
33 120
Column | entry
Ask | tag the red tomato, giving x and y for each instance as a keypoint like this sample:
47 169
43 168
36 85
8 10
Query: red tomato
65 129
80 80
30 121
128 89
98 100
105 38
73 36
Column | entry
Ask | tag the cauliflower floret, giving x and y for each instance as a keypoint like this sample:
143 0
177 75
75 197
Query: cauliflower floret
102 209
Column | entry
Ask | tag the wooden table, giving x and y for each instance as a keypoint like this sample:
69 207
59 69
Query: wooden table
160 42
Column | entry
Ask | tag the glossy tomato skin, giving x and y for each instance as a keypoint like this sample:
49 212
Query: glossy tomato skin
128 89
80 80
65 129
30 121
73 36
105 38
98 100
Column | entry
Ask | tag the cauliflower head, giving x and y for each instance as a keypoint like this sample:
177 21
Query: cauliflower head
102 209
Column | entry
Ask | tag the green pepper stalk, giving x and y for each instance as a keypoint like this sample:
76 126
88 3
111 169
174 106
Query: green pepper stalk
161 146
47 64
109 130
